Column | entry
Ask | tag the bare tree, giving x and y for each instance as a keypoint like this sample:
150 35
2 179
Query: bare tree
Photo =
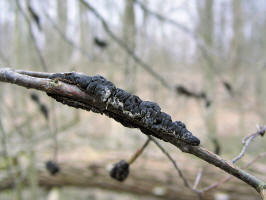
129 36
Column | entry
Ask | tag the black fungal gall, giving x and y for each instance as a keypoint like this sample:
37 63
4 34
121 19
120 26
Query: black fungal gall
120 171
124 107
52 167
34 97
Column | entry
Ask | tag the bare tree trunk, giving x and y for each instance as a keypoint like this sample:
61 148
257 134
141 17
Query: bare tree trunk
237 39
206 31
17 40
129 36
206 23
62 14
83 27
62 21
236 53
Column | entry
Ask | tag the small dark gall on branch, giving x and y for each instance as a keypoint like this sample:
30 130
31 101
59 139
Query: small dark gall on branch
52 167
126 108
100 43
120 171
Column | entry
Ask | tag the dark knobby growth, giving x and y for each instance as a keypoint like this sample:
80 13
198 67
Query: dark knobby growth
133 112
34 97
42 107
228 87
44 110
262 132
52 167
35 17
217 146
100 43
120 171
180 89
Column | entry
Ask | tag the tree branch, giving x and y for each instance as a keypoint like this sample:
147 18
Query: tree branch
97 96
247 140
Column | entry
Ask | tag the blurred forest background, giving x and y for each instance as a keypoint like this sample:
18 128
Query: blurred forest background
152 48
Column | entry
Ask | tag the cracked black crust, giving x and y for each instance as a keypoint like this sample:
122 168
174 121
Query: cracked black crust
135 111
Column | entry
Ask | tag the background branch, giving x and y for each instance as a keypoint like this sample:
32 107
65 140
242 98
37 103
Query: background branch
38 50
80 99
137 59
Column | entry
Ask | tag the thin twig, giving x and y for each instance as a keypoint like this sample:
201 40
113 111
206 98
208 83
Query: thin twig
42 60
64 36
199 175
138 152
228 178
247 140
179 171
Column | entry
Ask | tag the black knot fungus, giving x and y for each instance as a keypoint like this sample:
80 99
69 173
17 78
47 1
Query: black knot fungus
52 167
34 97
187 137
82 80
124 107
122 95
100 88
131 103
44 110
262 132
100 43
120 171
146 105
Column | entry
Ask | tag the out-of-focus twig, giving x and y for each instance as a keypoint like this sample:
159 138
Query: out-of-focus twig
228 178
131 53
179 171
34 16
180 89
207 51
38 50
199 175
64 36
247 140
138 152
124 46
217 146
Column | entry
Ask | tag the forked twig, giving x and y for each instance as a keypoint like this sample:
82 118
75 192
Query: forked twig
247 140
